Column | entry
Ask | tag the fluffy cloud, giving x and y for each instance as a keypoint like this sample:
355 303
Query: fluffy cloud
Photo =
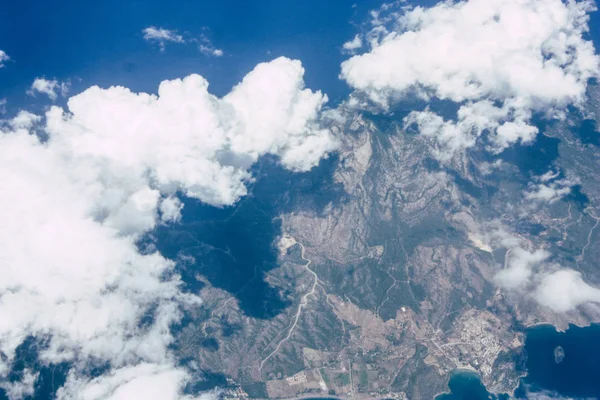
161 36
51 88
187 138
548 189
24 120
106 172
564 290
170 209
547 193
493 57
518 269
25 388
68 277
532 274
3 58
144 381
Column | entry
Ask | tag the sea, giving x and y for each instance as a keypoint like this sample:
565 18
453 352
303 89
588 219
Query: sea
559 365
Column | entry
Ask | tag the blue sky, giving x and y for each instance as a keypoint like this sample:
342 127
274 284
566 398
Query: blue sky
114 169
101 42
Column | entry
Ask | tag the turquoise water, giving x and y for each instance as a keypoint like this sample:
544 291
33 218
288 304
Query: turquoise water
466 385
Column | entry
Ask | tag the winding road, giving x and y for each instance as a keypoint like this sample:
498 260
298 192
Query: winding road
303 303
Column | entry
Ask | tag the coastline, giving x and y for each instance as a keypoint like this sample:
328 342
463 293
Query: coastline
520 383
468 370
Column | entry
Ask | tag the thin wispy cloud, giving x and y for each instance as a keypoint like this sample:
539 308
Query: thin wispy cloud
352 45
206 47
3 58
162 36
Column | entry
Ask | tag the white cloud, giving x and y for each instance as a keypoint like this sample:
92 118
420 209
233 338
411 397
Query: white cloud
3 58
206 47
547 193
548 395
186 137
530 273
548 189
24 120
447 134
170 209
25 388
144 381
210 51
161 36
353 44
519 269
51 88
68 276
499 236
548 176
564 290
76 204
487 168
494 57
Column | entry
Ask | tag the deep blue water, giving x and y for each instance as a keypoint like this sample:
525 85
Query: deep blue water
579 372
577 375
588 133
233 246
100 42
533 159
466 385
50 378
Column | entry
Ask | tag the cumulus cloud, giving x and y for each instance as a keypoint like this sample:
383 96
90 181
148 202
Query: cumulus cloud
519 267
144 381
564 290
170 209
3 58
493 57
107 172
185 137
24 388
51 88
531 273
24 120
161 36
68 276
547 189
